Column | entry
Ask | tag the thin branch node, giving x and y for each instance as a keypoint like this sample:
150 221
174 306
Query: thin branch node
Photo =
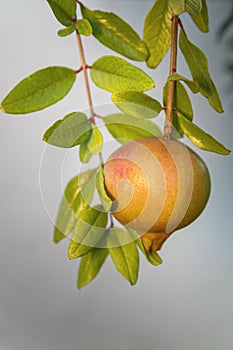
180 24
98 116
78 70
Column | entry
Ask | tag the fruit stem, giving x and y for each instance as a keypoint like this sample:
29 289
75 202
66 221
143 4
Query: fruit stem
171 83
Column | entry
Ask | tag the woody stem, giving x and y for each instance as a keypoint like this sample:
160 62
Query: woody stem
86 80
87 85
171 83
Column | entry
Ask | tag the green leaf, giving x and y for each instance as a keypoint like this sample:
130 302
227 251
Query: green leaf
66 31
193 85
90 265
84 153
181 102
157 32
152 257
114 73
84 27
200 138
95 141
193 7
136 104
202 20
64 11
105 199
181 99
77 197
88 231
177 6
125 127
39 90
115 33
125 257
198 66
68 132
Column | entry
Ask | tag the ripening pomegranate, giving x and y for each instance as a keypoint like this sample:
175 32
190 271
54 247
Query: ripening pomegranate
159 186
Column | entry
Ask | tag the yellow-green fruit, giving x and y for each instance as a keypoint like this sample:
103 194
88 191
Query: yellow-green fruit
159 186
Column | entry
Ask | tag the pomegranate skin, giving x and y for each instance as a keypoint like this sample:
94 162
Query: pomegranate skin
159 186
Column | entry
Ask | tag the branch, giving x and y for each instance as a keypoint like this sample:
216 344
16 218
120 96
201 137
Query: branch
84 68
87 85
171 84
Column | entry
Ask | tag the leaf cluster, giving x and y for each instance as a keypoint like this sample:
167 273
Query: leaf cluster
91 236
126 82
90 228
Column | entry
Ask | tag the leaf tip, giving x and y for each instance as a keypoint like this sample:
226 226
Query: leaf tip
82 282
71 254
221 110
133 282
227 152
56 240
45 137
79 285
2 108
58 236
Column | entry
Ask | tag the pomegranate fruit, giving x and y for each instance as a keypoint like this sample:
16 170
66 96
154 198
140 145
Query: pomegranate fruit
158 186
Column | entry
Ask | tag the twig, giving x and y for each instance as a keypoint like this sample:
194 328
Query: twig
87 85
84 67
171 84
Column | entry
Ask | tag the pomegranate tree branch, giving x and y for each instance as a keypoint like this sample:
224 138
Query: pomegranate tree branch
84 68
87 85
171 83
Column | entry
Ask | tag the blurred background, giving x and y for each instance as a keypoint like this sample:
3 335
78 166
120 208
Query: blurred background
187 302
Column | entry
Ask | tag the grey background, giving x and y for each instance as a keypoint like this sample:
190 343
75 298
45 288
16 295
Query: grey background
187 302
